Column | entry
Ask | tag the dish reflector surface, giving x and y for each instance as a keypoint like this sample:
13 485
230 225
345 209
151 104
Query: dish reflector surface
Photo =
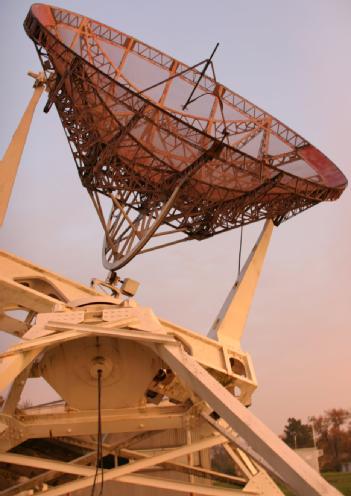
121 104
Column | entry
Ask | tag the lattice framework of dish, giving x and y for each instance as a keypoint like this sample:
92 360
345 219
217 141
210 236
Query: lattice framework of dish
221 163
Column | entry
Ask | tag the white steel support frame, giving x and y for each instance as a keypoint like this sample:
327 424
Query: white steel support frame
203 372
122 473
233 426
76 467
293 470
200 374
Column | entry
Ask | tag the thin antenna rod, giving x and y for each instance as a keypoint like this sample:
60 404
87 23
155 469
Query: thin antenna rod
201 76
177 74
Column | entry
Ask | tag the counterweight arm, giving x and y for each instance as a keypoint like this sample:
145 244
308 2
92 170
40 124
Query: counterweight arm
12 157
229 325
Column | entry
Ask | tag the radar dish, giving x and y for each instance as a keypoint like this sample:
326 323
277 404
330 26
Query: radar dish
165 168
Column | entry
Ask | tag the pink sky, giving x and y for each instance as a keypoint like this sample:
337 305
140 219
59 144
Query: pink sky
292 59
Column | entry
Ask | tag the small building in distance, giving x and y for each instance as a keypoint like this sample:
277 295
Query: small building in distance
310 456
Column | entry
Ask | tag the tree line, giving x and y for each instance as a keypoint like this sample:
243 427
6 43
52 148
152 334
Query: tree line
330 432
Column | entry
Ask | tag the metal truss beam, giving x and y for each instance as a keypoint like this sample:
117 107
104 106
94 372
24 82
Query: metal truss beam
131 468
240 444
295 472
12 366
48 425
88 473
184 468
82 460
78 331
77 467
230 322
182 487
15 392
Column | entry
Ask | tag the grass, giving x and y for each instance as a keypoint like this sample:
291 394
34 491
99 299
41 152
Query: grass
340 480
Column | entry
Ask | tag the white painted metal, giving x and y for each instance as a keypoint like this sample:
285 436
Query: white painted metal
12 366
11 160
201 372
137 465
297 474
230 322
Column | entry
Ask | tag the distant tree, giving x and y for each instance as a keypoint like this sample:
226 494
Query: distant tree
297 435
320 425
336 419
333 436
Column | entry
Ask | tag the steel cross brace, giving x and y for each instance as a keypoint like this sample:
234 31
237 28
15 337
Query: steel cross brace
125 473
294 471
91 457
14 431
84 460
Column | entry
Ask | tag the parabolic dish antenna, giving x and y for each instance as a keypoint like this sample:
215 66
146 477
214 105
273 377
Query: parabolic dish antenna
169 166
175 153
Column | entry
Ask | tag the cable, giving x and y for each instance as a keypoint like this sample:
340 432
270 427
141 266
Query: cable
99 449
240 247
100 433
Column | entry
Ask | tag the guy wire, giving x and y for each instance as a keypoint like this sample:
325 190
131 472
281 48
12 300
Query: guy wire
99 449
240 247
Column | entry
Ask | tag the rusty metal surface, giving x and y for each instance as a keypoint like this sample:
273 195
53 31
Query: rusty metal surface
121 104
